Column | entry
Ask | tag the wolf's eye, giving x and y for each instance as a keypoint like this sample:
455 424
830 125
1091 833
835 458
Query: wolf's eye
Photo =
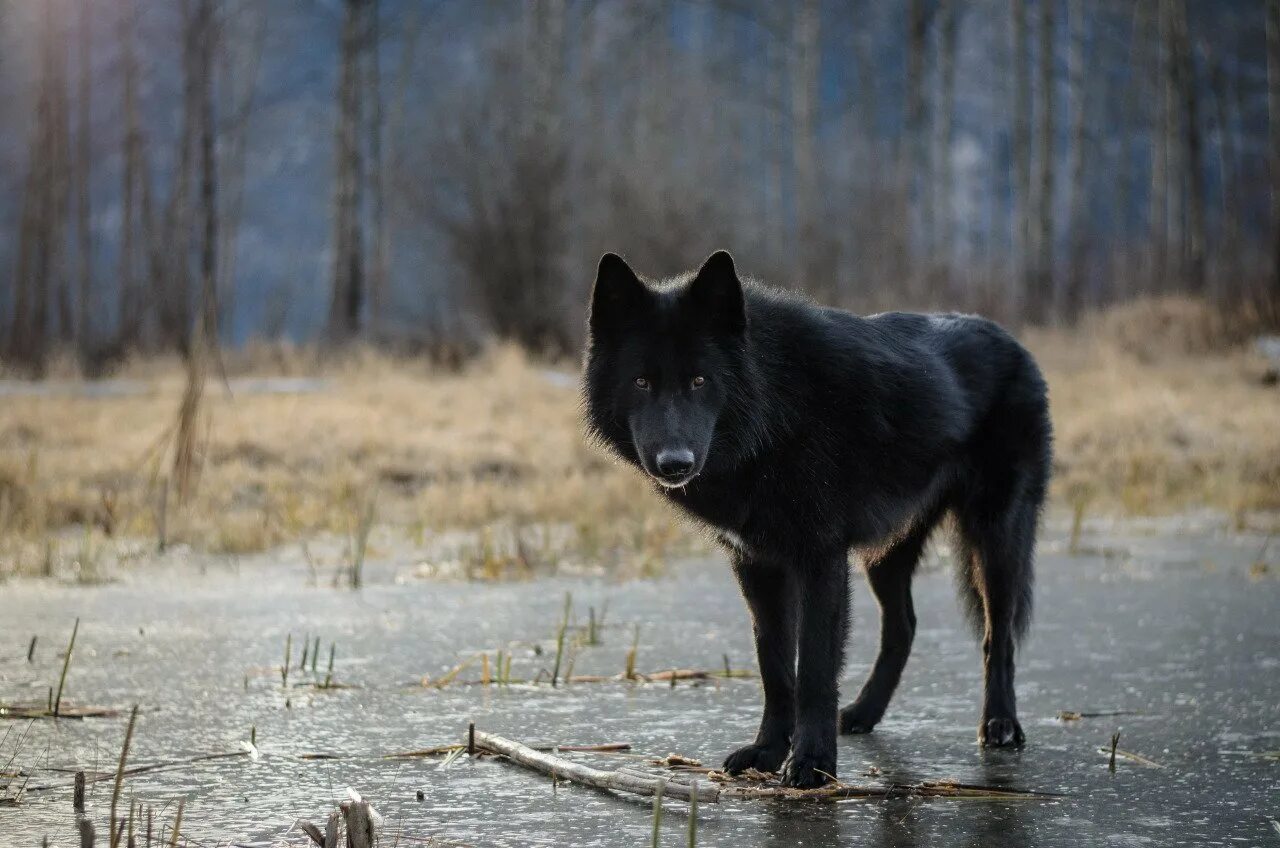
642 383
699 382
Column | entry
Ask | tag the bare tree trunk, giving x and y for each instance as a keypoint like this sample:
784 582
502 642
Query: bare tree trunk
1021 160
381 241
128 302
774 215
60 266
1157 217
804 93
200 45
84 158
876 246
410 32
912 153
240 75
944 123
7 295
24 337
1227 265
16 328
1073 294
348 248
206 29
154 250
543 242
1175 232
1192 150
44 281
1273 114
41 274
172 287
1121 242
1040 294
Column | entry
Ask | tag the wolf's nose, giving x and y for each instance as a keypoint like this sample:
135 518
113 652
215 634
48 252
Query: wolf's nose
675 463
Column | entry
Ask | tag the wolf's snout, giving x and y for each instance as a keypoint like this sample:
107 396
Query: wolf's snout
675 464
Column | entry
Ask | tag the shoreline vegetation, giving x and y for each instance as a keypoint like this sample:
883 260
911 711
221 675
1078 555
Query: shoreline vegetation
1159 407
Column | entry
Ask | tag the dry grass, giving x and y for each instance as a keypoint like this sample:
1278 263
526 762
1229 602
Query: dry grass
1143 426
1158 407
497 445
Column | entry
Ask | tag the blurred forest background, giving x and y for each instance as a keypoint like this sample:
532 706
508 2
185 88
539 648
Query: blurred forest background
433 174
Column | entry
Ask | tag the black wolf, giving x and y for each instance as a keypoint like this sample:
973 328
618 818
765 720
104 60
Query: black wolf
798 433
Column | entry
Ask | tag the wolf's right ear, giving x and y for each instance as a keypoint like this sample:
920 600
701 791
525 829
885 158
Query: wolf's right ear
617 293
717 293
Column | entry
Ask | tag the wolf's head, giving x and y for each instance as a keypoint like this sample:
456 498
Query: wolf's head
664 363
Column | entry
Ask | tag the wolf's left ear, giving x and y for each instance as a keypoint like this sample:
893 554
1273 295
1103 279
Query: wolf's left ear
716 293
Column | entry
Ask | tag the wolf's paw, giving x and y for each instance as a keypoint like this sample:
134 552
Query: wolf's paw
766 758
806 768
856 718
1001 733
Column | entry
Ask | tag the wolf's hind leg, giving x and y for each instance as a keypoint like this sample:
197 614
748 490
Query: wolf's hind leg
889 576
997 553
770 594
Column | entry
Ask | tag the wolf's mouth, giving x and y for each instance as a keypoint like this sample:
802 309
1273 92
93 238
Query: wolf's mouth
676 481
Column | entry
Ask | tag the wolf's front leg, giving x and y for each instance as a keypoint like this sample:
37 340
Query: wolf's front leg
770 595
823 601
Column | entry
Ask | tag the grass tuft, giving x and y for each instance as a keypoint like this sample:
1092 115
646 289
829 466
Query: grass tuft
560 637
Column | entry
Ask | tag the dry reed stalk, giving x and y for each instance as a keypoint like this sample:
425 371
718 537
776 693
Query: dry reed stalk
657 813
692 835
602 748
177 824
564 626
288 656
66 662
124 756
630 671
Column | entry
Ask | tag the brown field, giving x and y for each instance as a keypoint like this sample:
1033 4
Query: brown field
1158 409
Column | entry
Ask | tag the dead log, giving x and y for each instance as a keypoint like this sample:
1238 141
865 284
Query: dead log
314 832
359 824
563 769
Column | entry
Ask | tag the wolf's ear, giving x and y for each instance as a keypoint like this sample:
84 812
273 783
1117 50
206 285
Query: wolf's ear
617 293
716 293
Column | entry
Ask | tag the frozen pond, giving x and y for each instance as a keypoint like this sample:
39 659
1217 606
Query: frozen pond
1178 628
